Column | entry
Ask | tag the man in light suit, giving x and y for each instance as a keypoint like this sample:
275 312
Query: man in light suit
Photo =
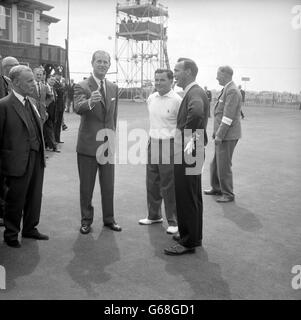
226 132
192 116
5 88
96 101
22 158
41 93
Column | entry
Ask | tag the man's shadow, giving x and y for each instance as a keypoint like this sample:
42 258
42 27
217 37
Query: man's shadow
19 262
242 217
91 256
203 277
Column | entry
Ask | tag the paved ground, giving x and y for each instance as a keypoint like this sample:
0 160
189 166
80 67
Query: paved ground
249 246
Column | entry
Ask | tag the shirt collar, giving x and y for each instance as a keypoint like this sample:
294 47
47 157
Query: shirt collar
97 80
227 84
188 87
19 97
168 94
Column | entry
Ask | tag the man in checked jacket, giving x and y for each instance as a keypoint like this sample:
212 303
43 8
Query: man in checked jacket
226 132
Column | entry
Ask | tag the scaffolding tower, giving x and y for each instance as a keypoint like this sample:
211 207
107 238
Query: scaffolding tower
140 46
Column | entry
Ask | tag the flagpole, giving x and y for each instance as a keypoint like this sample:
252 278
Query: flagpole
67 46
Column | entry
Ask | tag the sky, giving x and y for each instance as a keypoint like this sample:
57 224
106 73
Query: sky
258 39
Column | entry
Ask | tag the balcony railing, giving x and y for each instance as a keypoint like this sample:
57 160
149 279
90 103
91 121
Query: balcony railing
33 55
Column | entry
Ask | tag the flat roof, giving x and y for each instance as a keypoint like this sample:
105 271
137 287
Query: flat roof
143 10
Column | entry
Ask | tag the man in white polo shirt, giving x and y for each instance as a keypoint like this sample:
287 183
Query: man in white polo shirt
163 106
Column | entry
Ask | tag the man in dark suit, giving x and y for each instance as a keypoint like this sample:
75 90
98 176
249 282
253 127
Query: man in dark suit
192 116
22 155
5 88
226 132
209 95
51 111
60 106
96 101
243 96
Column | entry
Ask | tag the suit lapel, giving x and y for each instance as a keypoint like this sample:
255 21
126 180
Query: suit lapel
93 86
109 94
19 108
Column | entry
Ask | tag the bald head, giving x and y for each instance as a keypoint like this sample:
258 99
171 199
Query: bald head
8 63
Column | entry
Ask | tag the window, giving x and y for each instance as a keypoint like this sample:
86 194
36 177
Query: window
25 27
5 23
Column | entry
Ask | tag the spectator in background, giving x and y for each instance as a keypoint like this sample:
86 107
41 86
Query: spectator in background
41 93
243 95
70 97
5 88
60 106
209 95
226 132
49 124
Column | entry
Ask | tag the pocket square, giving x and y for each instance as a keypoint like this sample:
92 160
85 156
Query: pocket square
220 100
113 99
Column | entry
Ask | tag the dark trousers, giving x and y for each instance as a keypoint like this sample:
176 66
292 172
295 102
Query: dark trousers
189 206
58 124
87 169
160 182
2 196
49 134
221 168
24 196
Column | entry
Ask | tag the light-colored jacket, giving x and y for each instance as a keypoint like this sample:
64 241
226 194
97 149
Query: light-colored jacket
227 124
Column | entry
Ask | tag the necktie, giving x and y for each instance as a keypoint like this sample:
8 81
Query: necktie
39 89
27 105
102 91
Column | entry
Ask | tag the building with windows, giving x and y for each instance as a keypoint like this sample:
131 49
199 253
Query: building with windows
24 31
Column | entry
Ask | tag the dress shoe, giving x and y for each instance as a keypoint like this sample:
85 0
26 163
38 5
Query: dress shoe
85 229
147 221
178 250
12 243
60 142
35 235
172 229
113 226
212 192
56 150
224 199
177 238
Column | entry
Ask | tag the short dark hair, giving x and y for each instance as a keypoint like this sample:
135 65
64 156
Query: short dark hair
190 64
169 73
102 52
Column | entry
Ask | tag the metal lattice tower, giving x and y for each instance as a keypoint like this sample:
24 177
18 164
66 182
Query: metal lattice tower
140 46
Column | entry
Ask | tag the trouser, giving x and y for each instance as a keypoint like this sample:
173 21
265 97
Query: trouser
24 196
220 168
58 125
2 196
87 169
189 206
49 134
160 181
